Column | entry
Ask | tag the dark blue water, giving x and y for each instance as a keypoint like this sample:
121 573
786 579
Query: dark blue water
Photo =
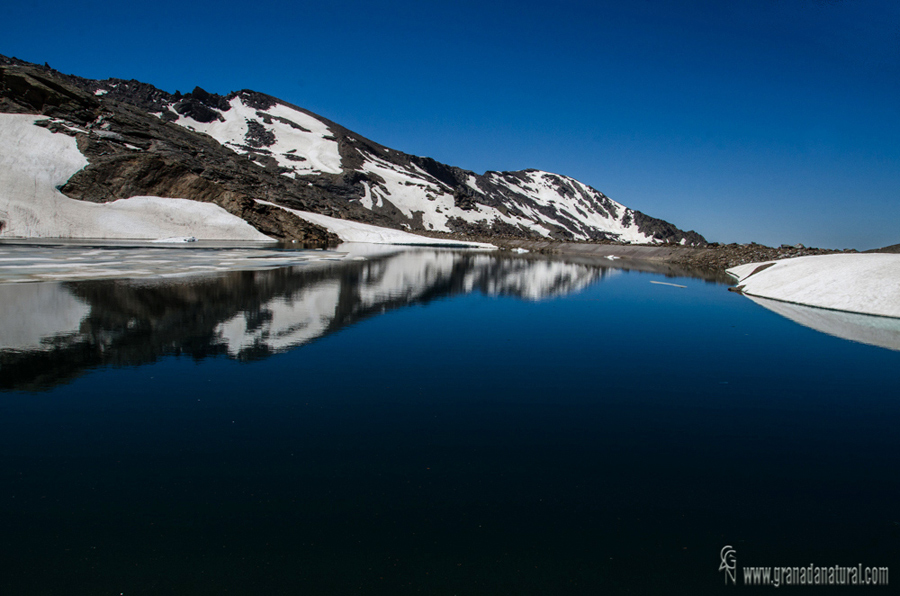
598 434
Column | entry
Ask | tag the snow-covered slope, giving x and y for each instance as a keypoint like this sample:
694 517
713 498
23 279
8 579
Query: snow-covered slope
354 231
860 283
419 193
35 162
542 203
299 143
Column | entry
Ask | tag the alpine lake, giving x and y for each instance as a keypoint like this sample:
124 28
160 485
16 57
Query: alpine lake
389 420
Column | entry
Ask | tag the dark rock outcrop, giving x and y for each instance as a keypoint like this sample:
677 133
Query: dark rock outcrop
892 249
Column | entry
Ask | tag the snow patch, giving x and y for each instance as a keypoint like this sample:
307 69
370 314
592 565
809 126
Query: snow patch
416 193
354 231
310 139
177 240
859 283
34 162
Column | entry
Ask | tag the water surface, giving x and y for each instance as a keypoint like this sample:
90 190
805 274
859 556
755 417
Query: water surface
439 422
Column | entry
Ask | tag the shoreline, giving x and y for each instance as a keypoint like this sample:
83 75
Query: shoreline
709 262
715 258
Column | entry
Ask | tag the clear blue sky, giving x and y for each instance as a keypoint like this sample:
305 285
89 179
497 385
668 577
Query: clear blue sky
747 120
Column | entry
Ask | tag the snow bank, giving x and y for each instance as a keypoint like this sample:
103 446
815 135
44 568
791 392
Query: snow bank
859 283
354 231
35 161
177 240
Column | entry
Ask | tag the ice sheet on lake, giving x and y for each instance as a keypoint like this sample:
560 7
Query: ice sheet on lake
32 263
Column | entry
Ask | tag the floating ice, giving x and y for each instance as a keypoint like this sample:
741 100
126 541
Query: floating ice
69 262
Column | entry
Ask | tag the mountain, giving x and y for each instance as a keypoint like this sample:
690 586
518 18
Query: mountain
250 153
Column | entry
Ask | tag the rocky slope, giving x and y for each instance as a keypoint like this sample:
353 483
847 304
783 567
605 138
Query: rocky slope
246 147
894 249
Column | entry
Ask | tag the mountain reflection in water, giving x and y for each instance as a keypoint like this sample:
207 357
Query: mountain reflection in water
50 333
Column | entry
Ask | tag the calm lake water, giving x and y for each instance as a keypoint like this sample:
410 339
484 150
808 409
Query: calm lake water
433 422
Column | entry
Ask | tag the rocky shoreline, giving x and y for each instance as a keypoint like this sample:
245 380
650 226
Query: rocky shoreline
722 257
712 257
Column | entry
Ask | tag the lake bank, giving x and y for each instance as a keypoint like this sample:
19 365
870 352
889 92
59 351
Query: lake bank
710 261
716 258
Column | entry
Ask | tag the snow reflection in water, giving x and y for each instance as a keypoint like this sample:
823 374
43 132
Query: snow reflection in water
883 332
54 331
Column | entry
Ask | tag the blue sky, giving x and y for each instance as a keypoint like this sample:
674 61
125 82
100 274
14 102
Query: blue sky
747 120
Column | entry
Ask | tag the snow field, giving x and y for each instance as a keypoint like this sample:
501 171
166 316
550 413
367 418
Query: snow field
353 231
315 143
35 161
860 283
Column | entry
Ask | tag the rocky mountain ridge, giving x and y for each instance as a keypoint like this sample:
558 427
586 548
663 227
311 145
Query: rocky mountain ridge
246 147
